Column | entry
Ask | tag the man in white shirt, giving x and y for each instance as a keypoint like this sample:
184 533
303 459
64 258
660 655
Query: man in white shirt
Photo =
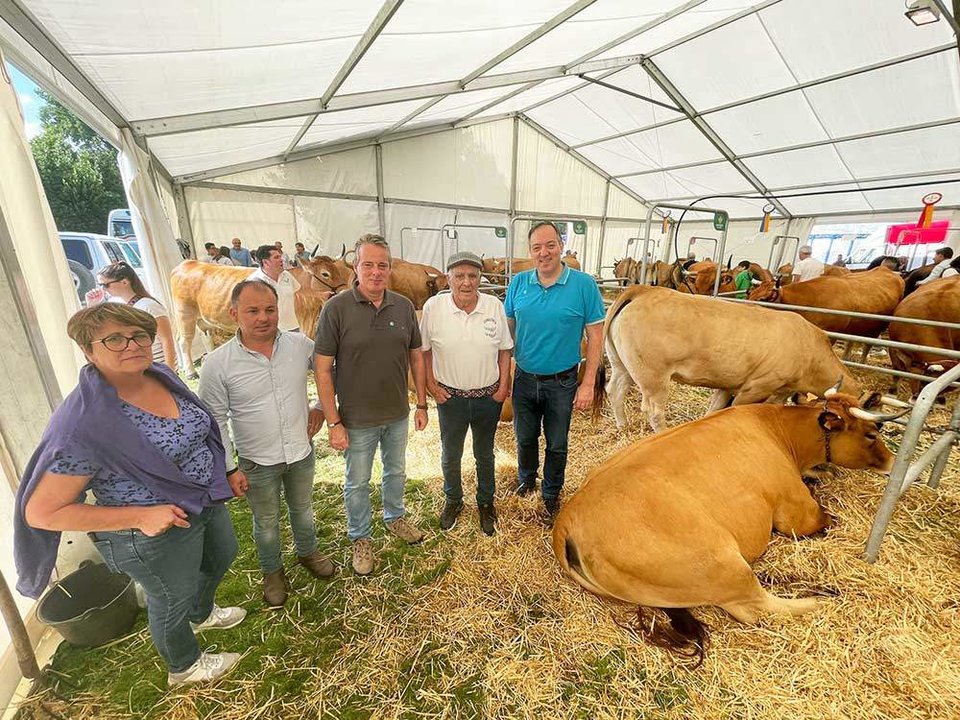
466 344
271 272
258 380
808 267
942 258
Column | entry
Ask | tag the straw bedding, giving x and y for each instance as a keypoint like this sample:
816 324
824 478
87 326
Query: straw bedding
469 626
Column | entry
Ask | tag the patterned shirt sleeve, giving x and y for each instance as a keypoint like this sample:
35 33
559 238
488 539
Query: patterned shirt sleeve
74 461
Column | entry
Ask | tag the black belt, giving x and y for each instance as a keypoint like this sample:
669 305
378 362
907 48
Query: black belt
555 376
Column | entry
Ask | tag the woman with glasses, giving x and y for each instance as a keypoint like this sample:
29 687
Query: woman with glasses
148 449
119 282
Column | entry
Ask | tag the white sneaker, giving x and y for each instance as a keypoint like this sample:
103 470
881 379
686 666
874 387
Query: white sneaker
221 618
208 667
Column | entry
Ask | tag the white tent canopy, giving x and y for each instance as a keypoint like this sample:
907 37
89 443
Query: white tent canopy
672 100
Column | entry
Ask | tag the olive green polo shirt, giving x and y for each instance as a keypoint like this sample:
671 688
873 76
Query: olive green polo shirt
371 350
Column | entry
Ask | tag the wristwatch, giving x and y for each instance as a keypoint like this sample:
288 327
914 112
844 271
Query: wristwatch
421 407
332 425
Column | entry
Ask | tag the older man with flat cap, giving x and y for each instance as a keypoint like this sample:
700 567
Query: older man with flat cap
466 344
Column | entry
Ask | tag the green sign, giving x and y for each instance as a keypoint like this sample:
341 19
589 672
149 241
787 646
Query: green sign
579 227
501 232
720 221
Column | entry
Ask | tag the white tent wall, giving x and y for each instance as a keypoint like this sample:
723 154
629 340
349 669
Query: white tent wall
350 172
256 218
331 223
466 167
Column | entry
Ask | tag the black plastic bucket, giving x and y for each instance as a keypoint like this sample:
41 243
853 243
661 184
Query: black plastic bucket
90 606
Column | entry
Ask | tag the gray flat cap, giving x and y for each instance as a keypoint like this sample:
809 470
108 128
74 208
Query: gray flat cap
464 258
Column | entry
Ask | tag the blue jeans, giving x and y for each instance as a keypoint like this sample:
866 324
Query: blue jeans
392 439
481 416
265 482
548 403
179 571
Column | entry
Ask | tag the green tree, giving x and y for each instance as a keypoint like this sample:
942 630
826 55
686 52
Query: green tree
78 169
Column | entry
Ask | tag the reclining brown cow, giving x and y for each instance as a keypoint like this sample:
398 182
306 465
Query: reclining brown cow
675 520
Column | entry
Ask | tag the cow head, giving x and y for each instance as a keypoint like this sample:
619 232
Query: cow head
434 282
851 434
326 274
766 291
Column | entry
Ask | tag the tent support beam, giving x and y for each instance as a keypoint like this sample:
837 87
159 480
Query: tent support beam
386 12
586 161
674 94
783 91
381 212
523 42
298 108
263 190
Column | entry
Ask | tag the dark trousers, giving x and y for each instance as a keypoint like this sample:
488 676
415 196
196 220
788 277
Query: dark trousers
179 571
480 415
548 404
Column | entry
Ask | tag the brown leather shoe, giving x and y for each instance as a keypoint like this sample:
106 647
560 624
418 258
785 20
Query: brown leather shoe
317 565
275 588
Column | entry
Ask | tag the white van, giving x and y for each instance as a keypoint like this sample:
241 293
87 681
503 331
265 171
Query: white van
119 225
88 252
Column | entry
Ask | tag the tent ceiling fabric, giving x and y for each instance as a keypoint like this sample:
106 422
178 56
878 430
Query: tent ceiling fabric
805 92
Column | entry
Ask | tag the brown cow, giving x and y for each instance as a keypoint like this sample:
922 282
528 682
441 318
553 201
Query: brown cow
875 291
938 300
416 281
749 354
675 520
201 295
499 266
704 275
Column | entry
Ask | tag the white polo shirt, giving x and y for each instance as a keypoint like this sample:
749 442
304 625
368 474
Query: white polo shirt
285 285
465 347
808 269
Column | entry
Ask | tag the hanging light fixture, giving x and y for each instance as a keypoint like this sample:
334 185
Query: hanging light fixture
922 12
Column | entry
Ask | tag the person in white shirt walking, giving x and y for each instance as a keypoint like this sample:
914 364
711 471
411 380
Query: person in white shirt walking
271 271
466 345
258 380
808 267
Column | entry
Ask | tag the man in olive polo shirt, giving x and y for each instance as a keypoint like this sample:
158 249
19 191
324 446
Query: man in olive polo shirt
373 337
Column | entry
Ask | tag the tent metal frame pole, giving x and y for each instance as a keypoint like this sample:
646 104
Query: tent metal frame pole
514 157
379 22
783 91
183 216
586 161
950 17
174 124
676 96
805 146
523 42
381 205
603 225
265 190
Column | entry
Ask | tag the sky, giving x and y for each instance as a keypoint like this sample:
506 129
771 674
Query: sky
29 102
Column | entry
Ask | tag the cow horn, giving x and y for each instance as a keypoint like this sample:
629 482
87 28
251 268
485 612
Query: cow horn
343 250
829 392
877 417
777 282
315 248
729 260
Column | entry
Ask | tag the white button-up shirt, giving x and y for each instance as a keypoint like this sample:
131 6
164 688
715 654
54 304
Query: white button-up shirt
285 285
265 400
465 346
808 269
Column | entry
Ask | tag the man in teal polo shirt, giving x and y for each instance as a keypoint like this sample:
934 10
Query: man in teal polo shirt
548 309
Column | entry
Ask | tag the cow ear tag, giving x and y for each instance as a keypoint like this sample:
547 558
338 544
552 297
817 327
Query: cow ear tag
830 421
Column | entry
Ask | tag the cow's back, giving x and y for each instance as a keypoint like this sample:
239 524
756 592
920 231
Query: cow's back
938 300
876 291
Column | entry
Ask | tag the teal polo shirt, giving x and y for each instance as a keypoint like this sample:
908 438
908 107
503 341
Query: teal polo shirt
550 321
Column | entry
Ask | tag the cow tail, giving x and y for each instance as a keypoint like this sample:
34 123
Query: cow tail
600 383
680 633
600 390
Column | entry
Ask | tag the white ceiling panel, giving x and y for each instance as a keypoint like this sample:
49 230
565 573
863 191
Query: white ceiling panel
812 204
196 151
930 150
346 124
719 177
675 144
678 27
907 94
824 37
601 22
911 196
537 93
618 157
734 63
435 40
457 106
799 167
779 121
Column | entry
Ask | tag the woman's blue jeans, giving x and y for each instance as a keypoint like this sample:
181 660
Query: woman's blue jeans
179 572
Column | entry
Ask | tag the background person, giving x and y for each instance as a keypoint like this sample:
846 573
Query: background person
302 254
744 279
550 306
258 380
225 255
240 255
942 259
466 353
148 449
271 272
808 267
119 281
371 334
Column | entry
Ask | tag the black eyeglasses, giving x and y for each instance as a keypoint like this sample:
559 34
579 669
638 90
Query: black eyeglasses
105 285
119 343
